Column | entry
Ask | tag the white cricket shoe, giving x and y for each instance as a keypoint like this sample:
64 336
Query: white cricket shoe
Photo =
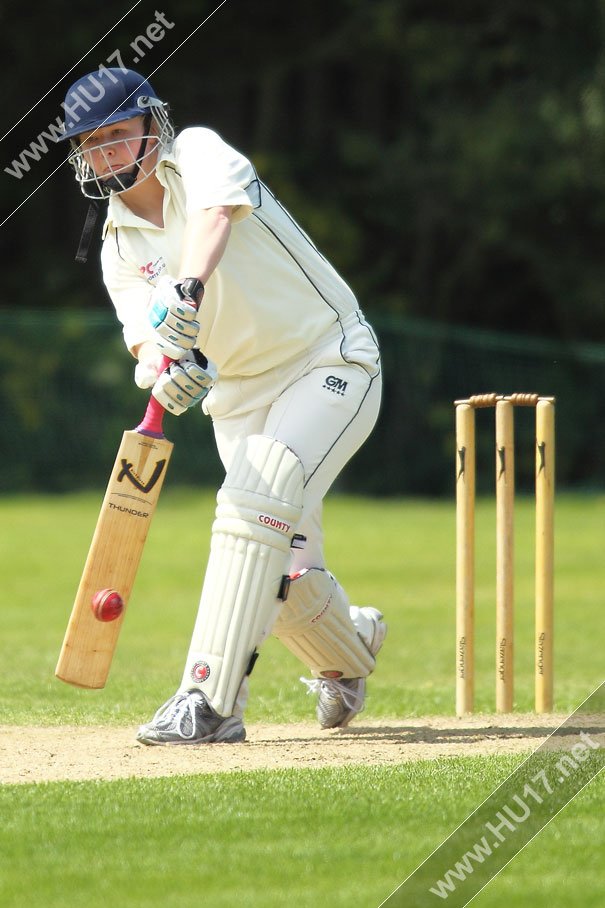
340 700
188 718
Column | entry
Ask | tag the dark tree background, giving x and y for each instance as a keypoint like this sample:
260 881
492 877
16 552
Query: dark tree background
449 158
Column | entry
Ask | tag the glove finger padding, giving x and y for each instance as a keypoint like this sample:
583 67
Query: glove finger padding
173 319
185 383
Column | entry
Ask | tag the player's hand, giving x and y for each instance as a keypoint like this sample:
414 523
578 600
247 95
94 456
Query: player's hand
185 383
149 366
172 318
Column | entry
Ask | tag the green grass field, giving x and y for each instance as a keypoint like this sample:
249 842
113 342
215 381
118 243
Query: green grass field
347 836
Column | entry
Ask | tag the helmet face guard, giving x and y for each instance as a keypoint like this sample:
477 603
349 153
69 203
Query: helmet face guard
97 187
102 99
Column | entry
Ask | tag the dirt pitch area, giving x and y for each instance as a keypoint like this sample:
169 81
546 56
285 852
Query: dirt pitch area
82 753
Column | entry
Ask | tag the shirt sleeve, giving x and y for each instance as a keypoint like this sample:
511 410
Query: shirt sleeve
128 290
213 173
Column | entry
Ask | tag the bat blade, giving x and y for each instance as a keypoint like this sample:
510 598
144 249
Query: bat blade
113 558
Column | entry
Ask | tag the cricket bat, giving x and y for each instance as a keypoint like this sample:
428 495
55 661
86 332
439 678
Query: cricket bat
116 549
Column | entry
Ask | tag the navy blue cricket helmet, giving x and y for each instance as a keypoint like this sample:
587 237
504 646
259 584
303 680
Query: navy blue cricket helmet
105 97
108 96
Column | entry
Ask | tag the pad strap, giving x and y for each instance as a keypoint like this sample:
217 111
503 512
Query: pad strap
316 624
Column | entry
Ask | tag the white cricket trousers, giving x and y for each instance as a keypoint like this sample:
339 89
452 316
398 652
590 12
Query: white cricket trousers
324 416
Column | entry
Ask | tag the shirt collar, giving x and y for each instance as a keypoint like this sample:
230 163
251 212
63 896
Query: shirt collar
119 215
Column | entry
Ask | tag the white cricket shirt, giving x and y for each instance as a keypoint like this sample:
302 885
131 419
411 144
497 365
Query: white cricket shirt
273 297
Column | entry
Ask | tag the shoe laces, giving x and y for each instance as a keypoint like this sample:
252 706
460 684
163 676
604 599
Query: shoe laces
336 690
179 712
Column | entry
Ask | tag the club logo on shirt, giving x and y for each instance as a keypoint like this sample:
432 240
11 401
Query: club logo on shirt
152 270
335 384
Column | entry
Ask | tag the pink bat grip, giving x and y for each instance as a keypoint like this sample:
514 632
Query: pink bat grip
154 414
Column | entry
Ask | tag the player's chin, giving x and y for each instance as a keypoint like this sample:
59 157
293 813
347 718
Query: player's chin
111 175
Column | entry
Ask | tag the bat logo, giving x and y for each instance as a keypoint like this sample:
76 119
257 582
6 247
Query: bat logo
128 473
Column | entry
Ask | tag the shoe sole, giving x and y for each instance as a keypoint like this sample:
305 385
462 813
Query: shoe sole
228 732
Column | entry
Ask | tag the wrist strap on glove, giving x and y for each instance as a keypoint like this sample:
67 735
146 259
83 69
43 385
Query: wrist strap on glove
191 289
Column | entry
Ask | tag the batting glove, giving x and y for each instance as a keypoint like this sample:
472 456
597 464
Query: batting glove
172 318
185 383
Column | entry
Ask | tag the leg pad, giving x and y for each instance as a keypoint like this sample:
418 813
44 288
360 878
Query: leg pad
258 508
317 624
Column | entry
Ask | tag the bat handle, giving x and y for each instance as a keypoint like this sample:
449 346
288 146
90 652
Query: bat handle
154 414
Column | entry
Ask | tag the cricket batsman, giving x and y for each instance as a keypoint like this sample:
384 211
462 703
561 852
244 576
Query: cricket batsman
204 265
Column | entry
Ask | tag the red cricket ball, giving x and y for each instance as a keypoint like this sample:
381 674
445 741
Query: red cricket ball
107 605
